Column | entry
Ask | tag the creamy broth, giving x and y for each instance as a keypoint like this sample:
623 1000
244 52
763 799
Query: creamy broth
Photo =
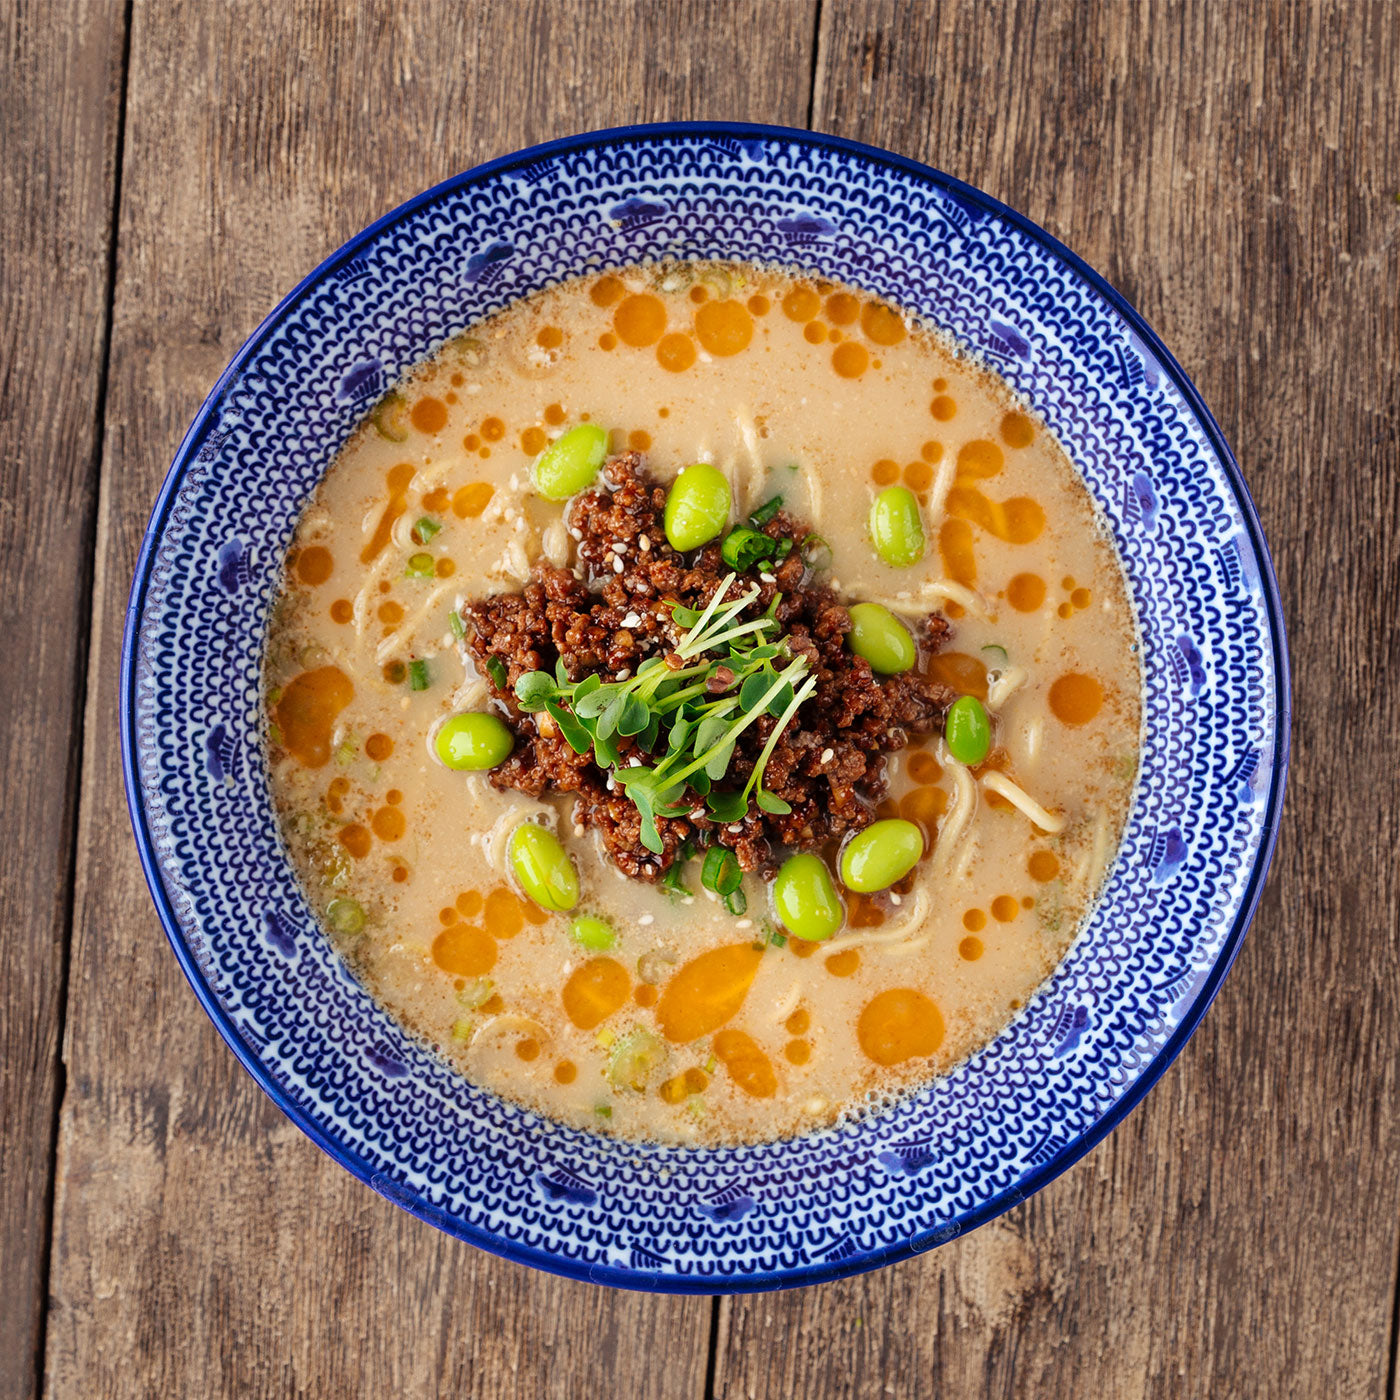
699 1025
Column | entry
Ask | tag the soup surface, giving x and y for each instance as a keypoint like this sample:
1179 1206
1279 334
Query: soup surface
681 1008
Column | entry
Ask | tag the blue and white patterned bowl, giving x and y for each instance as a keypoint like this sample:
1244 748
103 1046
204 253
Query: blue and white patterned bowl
962 1149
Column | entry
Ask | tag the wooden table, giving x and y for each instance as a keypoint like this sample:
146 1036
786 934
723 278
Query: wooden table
170 169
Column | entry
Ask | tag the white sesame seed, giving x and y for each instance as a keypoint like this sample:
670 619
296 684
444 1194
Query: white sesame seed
689 899
618 566
634 762
896 900
697 813
643 543
744 923
646 919
768 578
631 620
828 755
578 828
736 828
576 533
625 674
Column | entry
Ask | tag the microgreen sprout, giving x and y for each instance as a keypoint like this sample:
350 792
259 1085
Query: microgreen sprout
686 710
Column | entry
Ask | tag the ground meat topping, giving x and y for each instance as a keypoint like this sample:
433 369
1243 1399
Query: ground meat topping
615 613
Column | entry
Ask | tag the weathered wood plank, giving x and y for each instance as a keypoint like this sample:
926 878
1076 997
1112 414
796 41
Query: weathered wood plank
1233 169
201 1246
60 84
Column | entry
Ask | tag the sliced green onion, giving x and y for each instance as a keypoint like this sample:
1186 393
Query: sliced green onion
418 675
721 872
743 548
736 902
816 553
766 511
425 529
994 647
345 915
387 417
419 566
454 621
496 669
603 1110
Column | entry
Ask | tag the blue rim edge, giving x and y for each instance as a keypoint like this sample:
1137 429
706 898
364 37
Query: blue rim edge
609 1275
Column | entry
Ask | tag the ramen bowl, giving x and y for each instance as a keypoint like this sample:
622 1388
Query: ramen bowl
877 1187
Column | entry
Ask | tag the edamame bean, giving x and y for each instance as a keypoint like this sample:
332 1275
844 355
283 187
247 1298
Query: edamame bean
472 742
543 868
896 528
805 898
569 464
593 933
881 638
967 731
881 855
697 507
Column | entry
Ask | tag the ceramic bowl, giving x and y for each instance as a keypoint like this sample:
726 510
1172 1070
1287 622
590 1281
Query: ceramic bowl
1154 948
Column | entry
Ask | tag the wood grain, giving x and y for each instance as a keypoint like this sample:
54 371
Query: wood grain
1233 169
60 75
201 1246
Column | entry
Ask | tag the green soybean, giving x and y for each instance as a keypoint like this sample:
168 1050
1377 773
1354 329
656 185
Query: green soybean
594 934
896 528
543 868
805 898
881 638
697 507
881 855
967 731
473 742
569 464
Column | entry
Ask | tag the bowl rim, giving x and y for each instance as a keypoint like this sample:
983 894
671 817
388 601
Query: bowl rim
612 1275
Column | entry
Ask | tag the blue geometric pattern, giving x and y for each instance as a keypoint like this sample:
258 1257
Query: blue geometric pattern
964 1147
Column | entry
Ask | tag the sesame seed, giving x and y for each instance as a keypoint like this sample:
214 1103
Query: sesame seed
625 674
736 828
768 578
646 919
576 533
578 828
828 755
744 923
631 620
643 543
896 900
617 566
